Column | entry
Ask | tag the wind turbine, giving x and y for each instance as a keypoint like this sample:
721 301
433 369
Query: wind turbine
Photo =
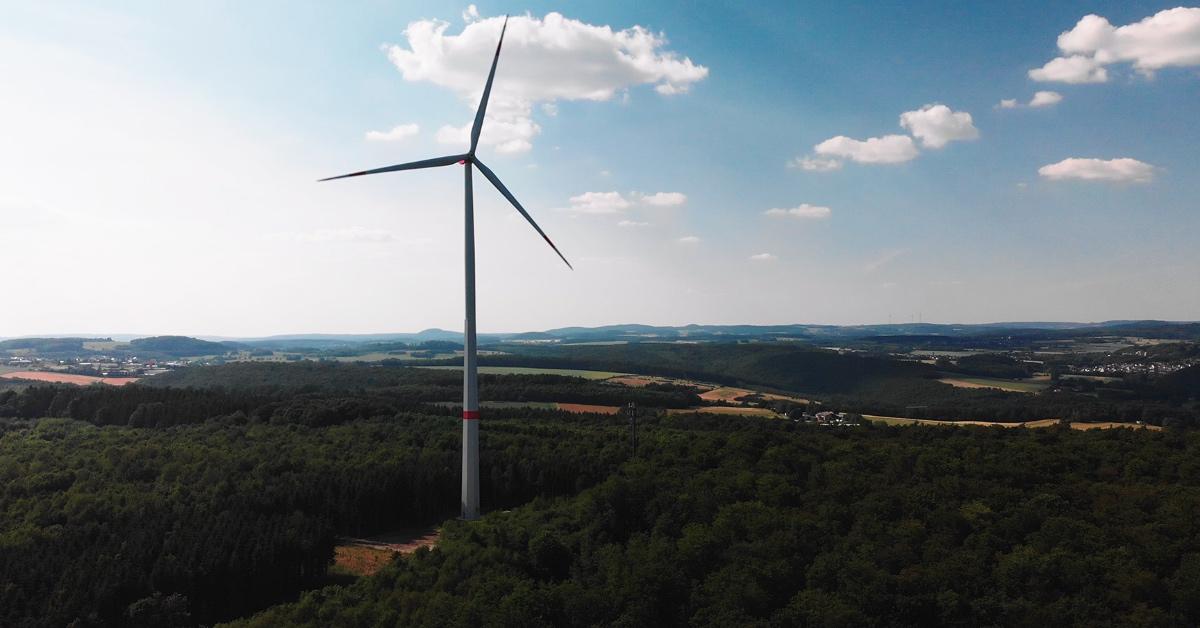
470 453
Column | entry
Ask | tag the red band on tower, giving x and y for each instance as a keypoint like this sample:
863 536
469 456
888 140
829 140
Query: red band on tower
470 415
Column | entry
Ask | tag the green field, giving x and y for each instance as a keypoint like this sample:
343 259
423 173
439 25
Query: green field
378 356
524 370
1010 385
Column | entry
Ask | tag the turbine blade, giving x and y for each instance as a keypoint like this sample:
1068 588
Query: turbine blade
487 90
412 165
491 176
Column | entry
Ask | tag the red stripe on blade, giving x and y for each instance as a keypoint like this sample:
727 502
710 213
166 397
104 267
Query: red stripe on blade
470 415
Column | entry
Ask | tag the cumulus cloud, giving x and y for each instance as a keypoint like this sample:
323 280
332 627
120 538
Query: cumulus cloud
1123 170
664 199
1040 99
545 60
689 240
598 203
345 234
1169 38
763 257
1045 99
396 133
801 211
1073 69
615 202
814 164
938 125
889 149
629 224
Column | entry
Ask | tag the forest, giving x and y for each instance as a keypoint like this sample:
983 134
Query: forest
217 494
723 522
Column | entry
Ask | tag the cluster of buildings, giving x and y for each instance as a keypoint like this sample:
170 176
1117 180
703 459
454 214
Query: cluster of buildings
98 365
828 418
1127 368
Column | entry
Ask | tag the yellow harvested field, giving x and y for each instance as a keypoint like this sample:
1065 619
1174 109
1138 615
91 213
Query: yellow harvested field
725 393
1112 424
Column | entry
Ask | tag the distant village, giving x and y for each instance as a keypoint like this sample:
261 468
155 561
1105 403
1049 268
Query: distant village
96 365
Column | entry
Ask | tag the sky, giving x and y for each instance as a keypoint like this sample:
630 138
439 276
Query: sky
697 162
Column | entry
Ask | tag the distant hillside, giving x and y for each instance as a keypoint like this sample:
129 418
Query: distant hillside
179 346
49 345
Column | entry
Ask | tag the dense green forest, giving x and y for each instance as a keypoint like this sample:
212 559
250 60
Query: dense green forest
213 493
116 526
765 523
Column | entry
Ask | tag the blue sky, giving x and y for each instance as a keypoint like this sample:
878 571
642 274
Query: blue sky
162 155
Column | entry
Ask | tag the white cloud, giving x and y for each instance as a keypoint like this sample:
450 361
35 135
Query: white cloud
1073 69
1124 170
814 164
889 149
599 203
471 13
763 257
938 125
396 134
1045 99
344 234
545 60
664 199
1040 99
802 211
689 240
1169 38
632 224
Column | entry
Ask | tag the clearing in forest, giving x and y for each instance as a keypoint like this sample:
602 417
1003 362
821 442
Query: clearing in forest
366 556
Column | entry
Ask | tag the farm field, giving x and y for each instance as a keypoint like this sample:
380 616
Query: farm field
1031 385
66 378
525 370
730 394
379 355
730 410
542 405
891 420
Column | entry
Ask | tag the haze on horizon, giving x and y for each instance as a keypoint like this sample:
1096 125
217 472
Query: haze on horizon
762 164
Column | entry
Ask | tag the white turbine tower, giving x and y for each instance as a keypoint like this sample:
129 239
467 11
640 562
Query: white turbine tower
470 454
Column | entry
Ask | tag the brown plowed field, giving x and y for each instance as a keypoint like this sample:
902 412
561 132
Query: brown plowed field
67 378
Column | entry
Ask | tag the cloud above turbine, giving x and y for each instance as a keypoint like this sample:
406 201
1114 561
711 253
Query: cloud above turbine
1123 170
1040 100
1169 38
395 134
546 60
803 211
934 125
616 202
938 125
